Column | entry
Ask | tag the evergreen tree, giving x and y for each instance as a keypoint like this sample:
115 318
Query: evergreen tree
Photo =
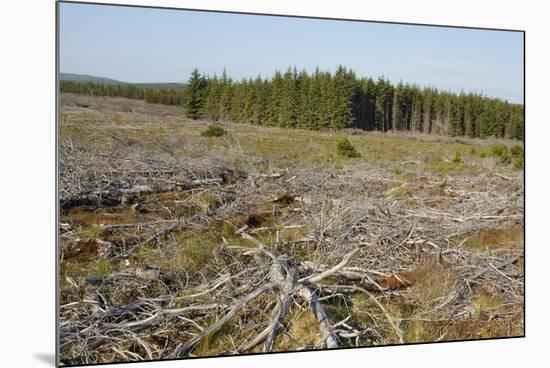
195 95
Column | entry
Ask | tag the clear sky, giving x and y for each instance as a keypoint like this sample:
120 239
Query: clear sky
160 45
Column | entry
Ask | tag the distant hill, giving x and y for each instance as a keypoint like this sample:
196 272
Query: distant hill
87 78
101 80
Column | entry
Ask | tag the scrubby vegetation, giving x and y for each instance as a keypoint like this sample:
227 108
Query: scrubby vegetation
501 153
213 131
457 159
507 156
345 148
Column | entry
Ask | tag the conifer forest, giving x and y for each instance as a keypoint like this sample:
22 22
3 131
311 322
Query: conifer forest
329 101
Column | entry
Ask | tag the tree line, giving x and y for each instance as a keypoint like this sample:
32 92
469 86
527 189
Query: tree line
324 100
165 96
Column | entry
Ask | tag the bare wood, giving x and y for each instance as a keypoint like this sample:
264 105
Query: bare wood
327 335
184 348
494 267
285 302
347 258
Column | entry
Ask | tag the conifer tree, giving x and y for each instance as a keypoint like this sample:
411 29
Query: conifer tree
195 95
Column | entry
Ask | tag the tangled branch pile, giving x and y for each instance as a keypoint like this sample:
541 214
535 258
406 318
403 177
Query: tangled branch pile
171 257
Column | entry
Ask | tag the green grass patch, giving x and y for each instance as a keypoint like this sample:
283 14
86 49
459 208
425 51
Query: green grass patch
444 167
227 230
88 231
195 253
217 342
457 159
102 267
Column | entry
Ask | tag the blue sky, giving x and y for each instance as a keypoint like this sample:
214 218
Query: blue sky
159 45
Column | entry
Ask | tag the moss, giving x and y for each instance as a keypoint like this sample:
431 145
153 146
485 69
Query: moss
432 284
443 174
216 343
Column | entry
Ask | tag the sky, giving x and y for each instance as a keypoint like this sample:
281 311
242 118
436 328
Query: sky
142 45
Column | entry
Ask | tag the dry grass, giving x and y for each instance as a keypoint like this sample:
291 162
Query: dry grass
508 237
303 332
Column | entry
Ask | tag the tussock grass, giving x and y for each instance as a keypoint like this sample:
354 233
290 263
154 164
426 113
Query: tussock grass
195 252
103 267
509 236
303 331
227 230
88 231
216 343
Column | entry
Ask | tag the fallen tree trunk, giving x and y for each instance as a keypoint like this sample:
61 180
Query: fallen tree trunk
327 335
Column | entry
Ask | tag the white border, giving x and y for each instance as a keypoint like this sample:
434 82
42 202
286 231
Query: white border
27 184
